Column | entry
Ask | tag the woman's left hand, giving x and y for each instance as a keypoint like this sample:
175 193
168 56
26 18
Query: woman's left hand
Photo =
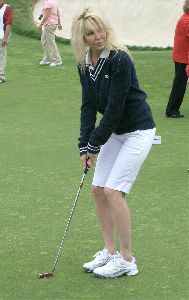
39 27
90 159
4 42
59 27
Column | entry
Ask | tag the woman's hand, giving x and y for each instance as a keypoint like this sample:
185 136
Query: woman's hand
59 27
39 27
4 42
83 159
88 160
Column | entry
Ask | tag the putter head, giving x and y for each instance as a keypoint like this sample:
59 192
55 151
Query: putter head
45 275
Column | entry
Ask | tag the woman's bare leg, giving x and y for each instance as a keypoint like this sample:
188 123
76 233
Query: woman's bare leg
106 219
121 215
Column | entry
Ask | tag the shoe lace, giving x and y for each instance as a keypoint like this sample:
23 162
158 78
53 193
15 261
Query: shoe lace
99 253
115 262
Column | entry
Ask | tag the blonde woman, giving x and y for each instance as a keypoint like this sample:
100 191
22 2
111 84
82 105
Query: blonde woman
123 136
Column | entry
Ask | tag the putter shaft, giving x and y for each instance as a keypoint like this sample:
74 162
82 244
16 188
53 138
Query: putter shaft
50 274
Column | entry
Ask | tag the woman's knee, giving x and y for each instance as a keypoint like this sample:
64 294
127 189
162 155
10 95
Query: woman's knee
112 194
97 191
109 193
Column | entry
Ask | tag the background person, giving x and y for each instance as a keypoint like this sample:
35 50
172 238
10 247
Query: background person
50 21
5 29
126 131
181 60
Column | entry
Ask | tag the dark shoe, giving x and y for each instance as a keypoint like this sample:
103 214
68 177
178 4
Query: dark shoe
2 80
175 115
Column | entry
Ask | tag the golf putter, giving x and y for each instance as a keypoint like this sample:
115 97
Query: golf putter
51 274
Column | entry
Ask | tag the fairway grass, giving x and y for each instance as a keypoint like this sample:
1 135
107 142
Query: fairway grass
40 174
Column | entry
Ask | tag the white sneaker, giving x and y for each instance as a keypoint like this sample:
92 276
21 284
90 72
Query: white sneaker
101 258
44 62
117 267
55 64
2 79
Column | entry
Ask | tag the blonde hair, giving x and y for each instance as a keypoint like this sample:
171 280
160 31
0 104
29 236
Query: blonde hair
186 6
91 16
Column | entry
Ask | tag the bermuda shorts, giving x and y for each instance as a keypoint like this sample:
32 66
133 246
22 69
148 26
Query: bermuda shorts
121 158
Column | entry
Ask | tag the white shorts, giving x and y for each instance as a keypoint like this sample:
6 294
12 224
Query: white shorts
121 158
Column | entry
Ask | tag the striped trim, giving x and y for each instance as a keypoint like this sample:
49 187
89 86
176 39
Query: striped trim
98 69
93 149
83 150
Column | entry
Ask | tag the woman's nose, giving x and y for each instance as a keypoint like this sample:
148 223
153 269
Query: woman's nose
98 34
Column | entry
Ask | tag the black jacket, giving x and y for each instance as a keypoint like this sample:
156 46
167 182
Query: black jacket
111 89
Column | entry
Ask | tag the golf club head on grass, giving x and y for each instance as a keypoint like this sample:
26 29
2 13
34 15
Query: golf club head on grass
45 275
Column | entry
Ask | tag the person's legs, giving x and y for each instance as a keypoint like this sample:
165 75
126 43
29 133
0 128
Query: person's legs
130 158
3 61
112 210
135 148
103 167
106 219
121 215
51 44
178 89
47 54
104 164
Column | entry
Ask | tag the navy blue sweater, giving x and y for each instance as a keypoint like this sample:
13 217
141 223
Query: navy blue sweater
111 89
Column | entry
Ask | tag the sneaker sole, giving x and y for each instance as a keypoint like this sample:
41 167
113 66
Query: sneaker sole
91 270
132 273
57 65
47 64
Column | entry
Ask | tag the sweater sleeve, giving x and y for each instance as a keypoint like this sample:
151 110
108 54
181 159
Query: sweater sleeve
120 81
87 118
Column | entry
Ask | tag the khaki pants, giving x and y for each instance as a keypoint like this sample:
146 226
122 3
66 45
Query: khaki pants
3 59
50 49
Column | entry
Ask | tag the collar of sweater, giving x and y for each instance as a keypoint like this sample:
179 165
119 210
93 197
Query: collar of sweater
104 54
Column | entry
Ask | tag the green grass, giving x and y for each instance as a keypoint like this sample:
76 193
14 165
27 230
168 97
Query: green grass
22 16
40 174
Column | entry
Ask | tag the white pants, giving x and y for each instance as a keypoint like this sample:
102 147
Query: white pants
121 158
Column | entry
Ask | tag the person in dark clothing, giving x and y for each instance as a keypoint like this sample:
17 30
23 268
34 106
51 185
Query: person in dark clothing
180 57
123 136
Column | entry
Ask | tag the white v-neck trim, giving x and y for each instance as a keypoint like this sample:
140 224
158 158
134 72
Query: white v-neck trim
101 61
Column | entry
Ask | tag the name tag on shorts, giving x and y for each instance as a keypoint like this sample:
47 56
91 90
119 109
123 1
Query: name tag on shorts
157 139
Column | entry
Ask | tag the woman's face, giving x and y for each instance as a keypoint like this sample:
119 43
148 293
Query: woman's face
94 37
